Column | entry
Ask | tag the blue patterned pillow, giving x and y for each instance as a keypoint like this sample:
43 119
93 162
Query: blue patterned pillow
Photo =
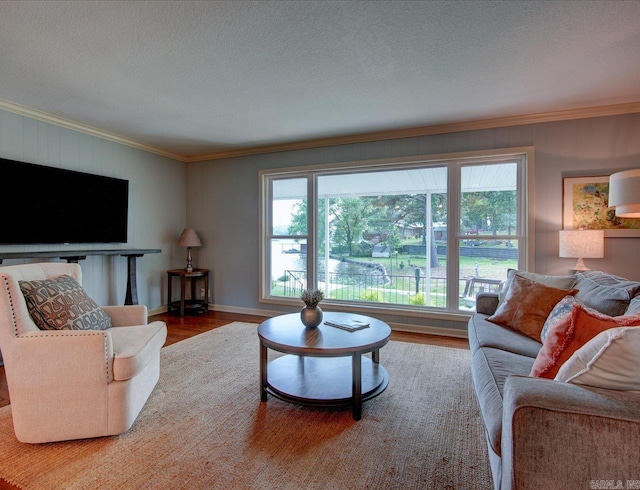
560 313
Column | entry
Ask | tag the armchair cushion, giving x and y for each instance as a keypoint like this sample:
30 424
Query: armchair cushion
134 347
62 304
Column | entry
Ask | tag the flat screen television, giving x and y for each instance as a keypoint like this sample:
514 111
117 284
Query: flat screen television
46 205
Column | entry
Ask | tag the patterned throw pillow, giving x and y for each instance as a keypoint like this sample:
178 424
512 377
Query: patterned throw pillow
565 338
561 313
62 304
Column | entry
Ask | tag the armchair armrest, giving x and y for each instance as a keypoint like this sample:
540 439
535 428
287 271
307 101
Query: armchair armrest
127 315
62 358
561 435
486 303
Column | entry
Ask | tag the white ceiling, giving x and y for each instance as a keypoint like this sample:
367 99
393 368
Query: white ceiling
195 78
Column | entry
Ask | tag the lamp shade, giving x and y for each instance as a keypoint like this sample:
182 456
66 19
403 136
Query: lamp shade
582 244
624 193
189 238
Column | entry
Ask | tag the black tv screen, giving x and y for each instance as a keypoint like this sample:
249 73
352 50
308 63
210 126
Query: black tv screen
52 205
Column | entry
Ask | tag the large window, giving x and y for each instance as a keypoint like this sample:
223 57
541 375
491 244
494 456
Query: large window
424 235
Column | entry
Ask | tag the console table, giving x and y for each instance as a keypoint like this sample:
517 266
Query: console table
131 297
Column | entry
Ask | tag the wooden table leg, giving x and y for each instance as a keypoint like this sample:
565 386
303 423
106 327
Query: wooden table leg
206 292
375 356
263 372
131 297
183 288
356 384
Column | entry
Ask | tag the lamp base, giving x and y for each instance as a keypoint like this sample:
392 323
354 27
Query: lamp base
189 267
580 266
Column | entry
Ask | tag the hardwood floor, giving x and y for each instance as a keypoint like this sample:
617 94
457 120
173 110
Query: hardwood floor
188 326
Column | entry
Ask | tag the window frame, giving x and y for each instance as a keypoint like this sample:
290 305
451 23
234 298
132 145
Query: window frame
523 156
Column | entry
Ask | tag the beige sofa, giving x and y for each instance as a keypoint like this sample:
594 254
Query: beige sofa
543 433
73 384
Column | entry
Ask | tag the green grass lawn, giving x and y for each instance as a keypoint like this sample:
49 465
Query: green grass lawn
401 288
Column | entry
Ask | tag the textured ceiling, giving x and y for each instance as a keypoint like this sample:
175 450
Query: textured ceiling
194 78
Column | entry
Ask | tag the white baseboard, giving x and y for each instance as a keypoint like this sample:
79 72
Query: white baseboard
400 327
426 329
157 311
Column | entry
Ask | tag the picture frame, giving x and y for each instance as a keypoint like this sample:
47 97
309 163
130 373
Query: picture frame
585 205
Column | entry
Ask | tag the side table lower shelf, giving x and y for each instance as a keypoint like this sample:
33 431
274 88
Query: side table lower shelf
190 305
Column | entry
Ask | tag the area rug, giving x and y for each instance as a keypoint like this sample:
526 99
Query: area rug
205 427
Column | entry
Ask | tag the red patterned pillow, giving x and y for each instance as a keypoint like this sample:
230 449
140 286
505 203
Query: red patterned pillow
566 337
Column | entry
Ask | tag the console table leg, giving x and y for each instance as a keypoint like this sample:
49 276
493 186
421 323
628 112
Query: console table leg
131 297
356 383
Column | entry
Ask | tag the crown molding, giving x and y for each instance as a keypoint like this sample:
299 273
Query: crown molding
62 122
498 122
474 125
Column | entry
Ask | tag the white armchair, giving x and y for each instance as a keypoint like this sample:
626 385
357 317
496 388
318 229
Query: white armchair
74 384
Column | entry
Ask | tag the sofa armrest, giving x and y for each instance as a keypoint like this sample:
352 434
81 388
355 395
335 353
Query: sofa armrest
127 315
561 435
486 303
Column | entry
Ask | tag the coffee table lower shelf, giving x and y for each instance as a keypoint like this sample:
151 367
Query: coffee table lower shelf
323 381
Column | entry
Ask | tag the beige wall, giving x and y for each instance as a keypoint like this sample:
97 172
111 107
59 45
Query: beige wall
157 203
223 204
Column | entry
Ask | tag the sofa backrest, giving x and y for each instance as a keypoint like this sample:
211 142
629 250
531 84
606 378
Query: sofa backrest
606 293
634 306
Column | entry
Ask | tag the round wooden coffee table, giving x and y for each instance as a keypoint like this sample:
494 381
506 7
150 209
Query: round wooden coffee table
323 366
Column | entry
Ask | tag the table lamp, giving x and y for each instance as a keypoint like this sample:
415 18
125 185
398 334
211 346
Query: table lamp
189 238
624 193
582 244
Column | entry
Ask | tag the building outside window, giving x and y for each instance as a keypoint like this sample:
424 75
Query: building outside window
423 234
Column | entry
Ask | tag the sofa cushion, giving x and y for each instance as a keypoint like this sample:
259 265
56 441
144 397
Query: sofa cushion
558 282
634 307
62 304
606 279
490 369
564 338
483 333
527 306
611 300
609 360
134 347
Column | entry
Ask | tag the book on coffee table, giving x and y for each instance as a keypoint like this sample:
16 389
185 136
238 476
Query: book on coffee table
350 325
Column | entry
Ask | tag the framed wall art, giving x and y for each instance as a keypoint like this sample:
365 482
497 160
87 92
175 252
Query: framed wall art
586 206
